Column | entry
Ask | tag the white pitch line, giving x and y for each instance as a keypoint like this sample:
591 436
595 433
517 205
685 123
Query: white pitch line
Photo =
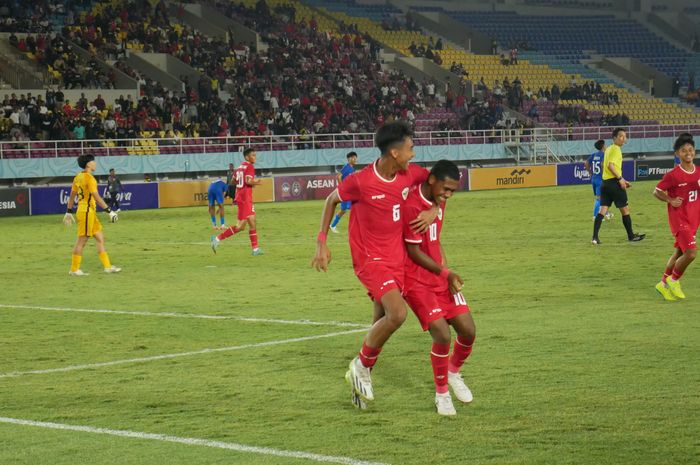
187 315
17 374
192 442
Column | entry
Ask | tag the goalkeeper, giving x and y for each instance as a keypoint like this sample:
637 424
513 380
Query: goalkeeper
84 188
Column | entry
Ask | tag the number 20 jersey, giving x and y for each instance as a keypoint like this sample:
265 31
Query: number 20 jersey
375 228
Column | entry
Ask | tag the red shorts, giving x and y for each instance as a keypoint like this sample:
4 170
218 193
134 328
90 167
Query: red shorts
245 210
685 240
379 278
429 305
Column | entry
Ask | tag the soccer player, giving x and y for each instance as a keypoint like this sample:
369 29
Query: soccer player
594 166
231 182
346 171
85 188
114 187
679 188
614 189
245 181
215 195
433 291
378 192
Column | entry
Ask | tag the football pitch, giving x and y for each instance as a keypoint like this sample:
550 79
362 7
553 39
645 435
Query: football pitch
187 357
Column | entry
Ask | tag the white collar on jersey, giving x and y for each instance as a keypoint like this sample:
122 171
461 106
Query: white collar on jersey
689 172
374 167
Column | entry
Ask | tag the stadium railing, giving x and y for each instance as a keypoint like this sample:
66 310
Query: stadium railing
210 145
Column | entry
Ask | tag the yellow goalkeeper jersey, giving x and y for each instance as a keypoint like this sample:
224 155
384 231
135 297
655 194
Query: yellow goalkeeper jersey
85 184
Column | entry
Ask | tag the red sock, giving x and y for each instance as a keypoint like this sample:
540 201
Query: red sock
439 357
676 275
253 235
228 232
667 273
368 355
462 350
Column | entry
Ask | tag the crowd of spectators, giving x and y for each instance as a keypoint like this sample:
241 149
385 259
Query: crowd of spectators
56 53
430 51
34 16
307 82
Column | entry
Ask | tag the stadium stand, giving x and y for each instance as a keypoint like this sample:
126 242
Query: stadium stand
319 82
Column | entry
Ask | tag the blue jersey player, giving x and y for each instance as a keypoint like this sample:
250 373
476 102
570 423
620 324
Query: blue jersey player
215 194
594 165
347 170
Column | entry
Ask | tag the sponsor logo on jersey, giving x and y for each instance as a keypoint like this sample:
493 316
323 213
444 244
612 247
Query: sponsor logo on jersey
378 197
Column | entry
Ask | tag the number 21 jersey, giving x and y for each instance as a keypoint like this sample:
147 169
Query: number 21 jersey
686 185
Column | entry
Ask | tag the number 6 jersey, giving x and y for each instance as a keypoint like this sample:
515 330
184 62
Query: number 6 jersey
375 229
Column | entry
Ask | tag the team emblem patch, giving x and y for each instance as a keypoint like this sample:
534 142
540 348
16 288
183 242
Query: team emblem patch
404 193
440 214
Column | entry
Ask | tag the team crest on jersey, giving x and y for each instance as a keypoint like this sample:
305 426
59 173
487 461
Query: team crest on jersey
404 193
440 214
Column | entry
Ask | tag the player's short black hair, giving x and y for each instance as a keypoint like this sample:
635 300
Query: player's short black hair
248 151
391 133
617 131
444 169
351 154
83 160
599 144
685 138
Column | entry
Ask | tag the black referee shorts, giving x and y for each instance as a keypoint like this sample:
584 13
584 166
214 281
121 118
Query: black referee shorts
611 192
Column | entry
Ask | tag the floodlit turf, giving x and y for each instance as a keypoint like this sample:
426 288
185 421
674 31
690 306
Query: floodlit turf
577 360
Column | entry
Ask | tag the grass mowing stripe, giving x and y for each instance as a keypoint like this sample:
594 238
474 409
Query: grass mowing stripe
192 442
88 366
188 315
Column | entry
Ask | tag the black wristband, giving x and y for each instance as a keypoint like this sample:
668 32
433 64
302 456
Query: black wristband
108 210
619 179
69 210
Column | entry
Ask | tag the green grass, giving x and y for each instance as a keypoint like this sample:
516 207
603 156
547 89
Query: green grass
577 359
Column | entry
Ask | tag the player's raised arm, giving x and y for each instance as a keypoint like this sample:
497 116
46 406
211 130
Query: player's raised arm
323 255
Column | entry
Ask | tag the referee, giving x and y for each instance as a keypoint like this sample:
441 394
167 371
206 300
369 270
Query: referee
614 188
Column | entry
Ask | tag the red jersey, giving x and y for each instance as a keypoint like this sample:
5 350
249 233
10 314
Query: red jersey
244 192
429 242
683 184
375 228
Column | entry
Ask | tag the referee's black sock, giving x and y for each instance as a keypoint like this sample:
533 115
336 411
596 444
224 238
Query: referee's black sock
596 225
627 221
